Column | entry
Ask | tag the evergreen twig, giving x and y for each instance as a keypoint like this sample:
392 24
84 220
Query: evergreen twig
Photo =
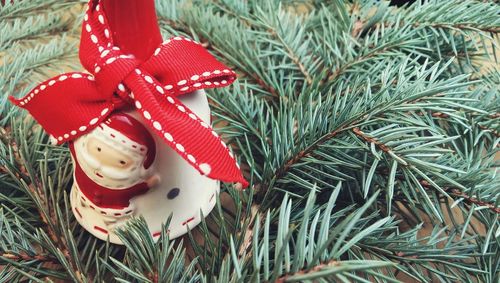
47 215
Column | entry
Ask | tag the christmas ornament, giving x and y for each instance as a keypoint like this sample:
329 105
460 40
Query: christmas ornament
138 126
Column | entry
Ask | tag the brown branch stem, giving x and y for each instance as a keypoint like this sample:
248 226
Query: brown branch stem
459 26
369 139
248 235
16 256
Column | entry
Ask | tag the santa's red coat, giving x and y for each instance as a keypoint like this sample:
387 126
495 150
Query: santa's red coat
102 196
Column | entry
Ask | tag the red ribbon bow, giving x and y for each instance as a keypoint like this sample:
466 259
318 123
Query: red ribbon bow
72 104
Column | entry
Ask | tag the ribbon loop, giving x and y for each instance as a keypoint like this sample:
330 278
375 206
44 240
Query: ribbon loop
169 61
178 66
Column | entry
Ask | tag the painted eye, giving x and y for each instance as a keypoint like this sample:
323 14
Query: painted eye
122 162
99 149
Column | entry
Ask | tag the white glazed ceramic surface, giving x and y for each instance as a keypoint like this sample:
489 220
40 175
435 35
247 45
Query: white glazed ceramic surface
191 193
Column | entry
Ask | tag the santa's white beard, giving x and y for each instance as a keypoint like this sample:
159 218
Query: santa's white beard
110 177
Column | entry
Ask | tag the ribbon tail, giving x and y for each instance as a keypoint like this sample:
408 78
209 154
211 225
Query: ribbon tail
186 133
66 106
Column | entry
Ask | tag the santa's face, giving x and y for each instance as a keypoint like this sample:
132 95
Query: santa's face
107 155
110 166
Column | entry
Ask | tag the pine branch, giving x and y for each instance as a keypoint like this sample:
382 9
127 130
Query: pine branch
227 10
47 215
292 54
451 26
460 26
207 43
14 9
334 73
465 15
470 199
280 172
28 29
348 124
451 191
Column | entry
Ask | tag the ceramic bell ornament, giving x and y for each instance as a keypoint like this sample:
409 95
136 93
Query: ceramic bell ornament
138 124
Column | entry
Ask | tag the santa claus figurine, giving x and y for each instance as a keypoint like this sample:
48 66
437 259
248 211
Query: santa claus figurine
112 165
140 112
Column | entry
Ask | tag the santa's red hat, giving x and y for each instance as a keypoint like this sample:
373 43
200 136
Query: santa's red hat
124 130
